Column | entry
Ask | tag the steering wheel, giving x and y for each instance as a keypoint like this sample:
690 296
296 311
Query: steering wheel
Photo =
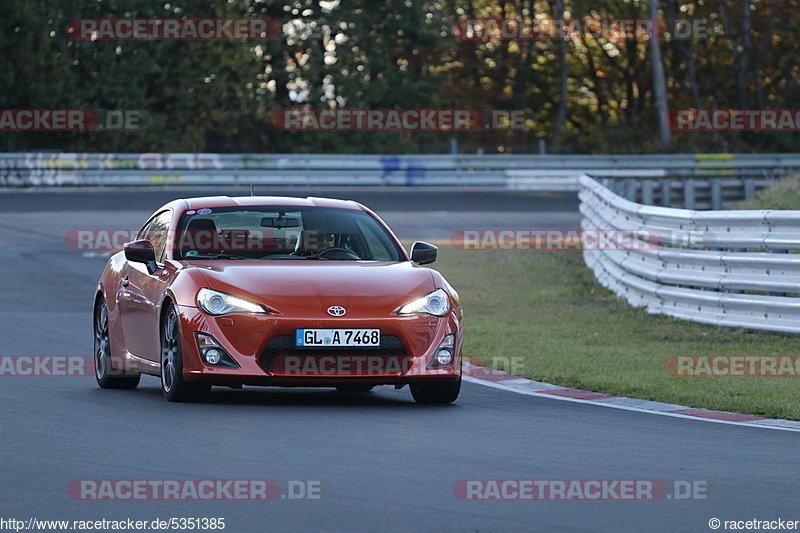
346 251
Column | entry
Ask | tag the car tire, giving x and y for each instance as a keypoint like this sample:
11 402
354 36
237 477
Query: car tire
436 393
355 387
105 374
173 385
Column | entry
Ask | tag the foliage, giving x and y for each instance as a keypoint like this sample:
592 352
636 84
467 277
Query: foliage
376 54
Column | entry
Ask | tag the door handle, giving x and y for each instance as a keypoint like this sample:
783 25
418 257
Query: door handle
125 281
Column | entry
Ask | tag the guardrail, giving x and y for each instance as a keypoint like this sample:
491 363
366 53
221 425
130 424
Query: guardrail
691 192
726 268
527 172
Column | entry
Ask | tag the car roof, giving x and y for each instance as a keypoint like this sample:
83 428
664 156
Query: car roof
245 201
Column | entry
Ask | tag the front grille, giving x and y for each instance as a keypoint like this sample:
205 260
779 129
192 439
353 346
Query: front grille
273 358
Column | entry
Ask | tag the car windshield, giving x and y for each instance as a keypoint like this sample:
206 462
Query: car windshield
283 232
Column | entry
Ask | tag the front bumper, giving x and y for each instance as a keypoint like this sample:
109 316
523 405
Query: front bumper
262 347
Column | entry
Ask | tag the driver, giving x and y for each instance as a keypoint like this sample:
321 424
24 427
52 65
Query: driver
311 242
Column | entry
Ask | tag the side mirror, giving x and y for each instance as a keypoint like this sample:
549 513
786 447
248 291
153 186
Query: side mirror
423 253
142 252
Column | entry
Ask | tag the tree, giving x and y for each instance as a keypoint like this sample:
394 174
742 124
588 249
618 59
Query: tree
659 84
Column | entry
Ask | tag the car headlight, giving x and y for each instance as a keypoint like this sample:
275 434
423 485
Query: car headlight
436 303
219 303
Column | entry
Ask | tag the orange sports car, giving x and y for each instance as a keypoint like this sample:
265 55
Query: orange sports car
221 291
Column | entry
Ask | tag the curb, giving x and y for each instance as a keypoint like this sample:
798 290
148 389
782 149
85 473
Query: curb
501 380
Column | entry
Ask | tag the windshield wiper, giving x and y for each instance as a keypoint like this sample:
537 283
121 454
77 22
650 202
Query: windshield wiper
220 255
288 257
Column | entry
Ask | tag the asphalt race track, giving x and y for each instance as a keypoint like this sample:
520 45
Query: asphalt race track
383 462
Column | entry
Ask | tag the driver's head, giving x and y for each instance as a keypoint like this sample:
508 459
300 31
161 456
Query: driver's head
315 241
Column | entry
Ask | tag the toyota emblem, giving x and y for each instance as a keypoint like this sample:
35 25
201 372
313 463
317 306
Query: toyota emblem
337 310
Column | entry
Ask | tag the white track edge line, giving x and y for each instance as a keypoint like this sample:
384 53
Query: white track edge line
492 384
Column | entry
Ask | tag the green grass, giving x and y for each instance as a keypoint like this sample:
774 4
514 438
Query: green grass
783 195
546 309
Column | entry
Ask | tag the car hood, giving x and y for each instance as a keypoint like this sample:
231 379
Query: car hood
308 288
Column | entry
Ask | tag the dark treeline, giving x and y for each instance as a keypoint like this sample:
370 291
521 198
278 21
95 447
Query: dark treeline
584 95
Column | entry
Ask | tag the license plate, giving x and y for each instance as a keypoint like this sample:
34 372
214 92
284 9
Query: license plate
338 337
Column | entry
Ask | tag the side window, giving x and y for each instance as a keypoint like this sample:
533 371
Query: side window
155 231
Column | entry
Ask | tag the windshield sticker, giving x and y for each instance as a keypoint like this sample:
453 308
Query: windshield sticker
204 211
190 212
